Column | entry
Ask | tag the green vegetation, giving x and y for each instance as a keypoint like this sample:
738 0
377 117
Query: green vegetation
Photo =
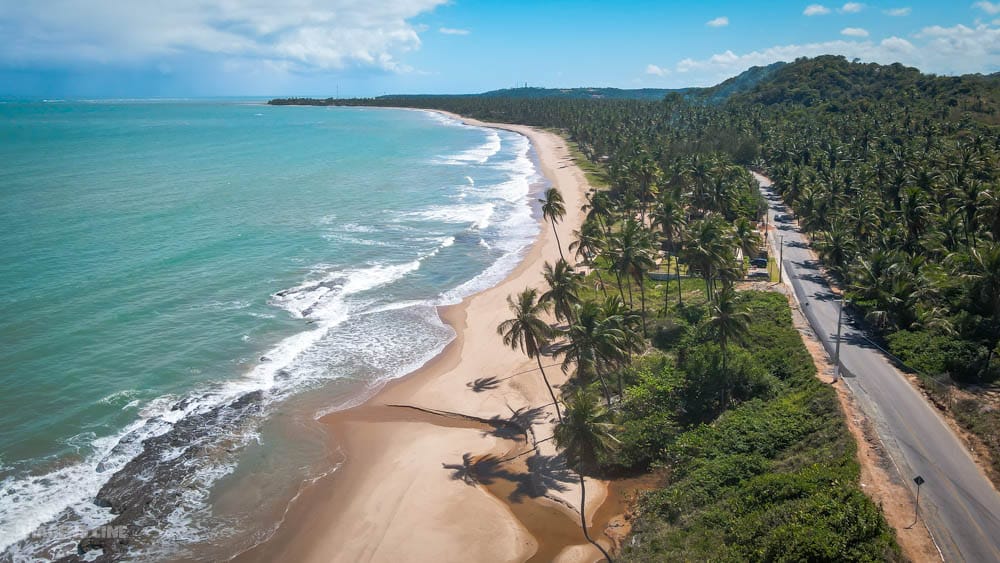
894 175
893 172
768 475
713 384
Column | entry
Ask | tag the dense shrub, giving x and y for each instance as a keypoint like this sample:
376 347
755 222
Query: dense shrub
937 354
770 479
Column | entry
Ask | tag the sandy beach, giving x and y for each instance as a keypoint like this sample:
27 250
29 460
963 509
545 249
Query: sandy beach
410 488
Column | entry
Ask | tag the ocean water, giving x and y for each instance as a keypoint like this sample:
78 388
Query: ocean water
175 275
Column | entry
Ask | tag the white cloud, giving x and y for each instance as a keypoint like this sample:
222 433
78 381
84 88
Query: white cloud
854 32
972 49
942 50
721 21
656 70
299 35
852 8
453 31
897 45
897 12
988 7
816 10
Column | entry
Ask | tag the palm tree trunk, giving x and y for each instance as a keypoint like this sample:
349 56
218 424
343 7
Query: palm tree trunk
677 268
538 358
606 228
642 301
558 244
583 517
666 288
621 292
606 389
601 281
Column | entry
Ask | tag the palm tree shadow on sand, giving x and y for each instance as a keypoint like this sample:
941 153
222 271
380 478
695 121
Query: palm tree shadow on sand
545 474
517 426
484 384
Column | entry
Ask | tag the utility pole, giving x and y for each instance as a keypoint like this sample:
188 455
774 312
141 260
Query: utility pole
836 361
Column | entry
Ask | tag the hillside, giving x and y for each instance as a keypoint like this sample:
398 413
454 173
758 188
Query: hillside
832 82
714 95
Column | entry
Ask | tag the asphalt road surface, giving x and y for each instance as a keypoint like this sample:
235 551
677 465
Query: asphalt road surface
958 503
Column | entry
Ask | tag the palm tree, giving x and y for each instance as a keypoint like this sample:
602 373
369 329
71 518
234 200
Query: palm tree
669 216
616 313
528 332
632 257
564 284
593 341
707 249
984 274
584 437
747 237
836 247
727 322
600 208
588 245
554 209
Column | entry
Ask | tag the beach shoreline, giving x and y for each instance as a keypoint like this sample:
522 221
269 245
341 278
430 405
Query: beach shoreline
405 489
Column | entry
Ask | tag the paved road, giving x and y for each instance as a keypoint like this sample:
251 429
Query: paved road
957 501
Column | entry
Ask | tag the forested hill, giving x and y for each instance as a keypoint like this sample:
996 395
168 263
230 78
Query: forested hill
829 83
832 82
715 94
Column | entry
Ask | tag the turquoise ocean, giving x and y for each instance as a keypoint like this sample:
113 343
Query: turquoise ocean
186 285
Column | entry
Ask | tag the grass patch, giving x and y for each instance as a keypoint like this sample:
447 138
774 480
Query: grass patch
596 176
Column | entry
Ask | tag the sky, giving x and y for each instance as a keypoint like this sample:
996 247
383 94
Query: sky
360 48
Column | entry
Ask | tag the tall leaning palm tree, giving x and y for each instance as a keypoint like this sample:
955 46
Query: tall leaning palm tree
564 284
528 332
584 437
554 209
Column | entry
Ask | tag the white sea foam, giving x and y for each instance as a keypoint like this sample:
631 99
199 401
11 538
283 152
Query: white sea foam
480 154
124 395
475 214
515 232
29 502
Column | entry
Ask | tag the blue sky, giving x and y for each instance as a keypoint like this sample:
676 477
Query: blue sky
143 48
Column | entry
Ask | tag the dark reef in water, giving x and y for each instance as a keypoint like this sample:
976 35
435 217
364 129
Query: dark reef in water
150 486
